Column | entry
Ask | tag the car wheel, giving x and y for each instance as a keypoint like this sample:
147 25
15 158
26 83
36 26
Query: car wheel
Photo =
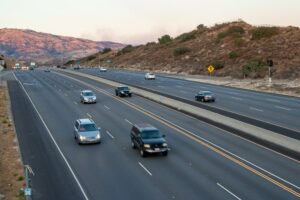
133 145
129 95
142 153
165 153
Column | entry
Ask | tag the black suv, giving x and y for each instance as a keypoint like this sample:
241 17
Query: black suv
205 96
148 140
123 91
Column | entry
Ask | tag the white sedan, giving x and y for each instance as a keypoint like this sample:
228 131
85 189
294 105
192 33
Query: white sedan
149 76
102 69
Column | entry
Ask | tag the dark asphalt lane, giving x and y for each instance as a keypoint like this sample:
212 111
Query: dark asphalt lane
275 109
262 157
51 179
112 170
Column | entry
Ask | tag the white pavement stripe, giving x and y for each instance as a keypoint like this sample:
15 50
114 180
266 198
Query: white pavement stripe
283 108
90 116
145 169
256 109
106 107
274 100
66 95
237 98
128 121
110 135
75 102
51 136
228 191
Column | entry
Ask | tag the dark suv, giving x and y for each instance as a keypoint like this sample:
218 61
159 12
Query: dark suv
123 91
148 140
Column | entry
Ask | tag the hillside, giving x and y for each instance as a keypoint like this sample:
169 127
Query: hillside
29 45
235 49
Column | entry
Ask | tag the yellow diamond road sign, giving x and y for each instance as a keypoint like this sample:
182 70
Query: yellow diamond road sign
210 68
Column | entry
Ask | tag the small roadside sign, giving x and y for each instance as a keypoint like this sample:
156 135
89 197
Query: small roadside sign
210 68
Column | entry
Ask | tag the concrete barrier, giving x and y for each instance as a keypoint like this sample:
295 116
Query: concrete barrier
273 138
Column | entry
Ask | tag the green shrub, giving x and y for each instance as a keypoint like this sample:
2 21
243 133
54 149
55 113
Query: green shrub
106 50
201 27
264 32
126 49
253 68
233 31
180 51
218 64
187 36
233 55
239 42
164 39
20 178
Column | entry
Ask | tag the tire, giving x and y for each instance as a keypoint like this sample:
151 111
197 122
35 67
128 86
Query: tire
133 145
165 153
129 95
142 153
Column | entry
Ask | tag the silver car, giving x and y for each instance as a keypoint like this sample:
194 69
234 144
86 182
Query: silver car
86 132
88 96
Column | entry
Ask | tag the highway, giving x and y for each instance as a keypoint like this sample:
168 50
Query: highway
278 110
205 162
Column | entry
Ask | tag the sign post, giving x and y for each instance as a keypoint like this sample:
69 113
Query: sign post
210 68
270 64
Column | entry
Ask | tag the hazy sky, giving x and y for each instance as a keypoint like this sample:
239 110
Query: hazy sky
140 21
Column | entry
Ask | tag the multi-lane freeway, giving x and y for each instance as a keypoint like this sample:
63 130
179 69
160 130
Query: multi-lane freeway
280 111
205 162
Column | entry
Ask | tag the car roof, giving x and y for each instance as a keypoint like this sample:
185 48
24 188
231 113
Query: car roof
145 127
86 121
86 91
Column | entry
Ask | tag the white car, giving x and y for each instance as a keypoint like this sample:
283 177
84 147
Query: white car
149 76
102 69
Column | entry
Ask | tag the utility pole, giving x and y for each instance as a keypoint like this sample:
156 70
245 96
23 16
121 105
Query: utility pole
270 64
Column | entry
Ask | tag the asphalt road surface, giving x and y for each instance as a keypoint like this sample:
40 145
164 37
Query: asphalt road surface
282 111
204 162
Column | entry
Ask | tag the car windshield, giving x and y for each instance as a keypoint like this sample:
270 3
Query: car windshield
87 127
151 134
123 88
88 94
205 93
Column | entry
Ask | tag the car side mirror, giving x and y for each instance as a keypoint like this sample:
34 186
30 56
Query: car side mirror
99 128
163 135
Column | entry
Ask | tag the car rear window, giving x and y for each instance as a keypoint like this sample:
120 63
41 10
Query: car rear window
87 127
88 94
150 134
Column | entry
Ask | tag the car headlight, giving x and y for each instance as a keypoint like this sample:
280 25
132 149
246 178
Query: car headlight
147 145
85 98
164 144
81 137
98 136
94 98
122 92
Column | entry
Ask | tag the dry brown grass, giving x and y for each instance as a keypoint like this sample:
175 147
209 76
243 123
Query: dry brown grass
11 169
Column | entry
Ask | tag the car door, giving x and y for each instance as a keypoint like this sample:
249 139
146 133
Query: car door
76 127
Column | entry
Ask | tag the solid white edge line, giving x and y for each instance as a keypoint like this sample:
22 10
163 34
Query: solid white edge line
145 169
211 143
51 136
252 108
283 108
110 135
90 116
128 121
221 186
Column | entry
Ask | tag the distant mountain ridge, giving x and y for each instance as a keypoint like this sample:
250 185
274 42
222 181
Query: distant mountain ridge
29 45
